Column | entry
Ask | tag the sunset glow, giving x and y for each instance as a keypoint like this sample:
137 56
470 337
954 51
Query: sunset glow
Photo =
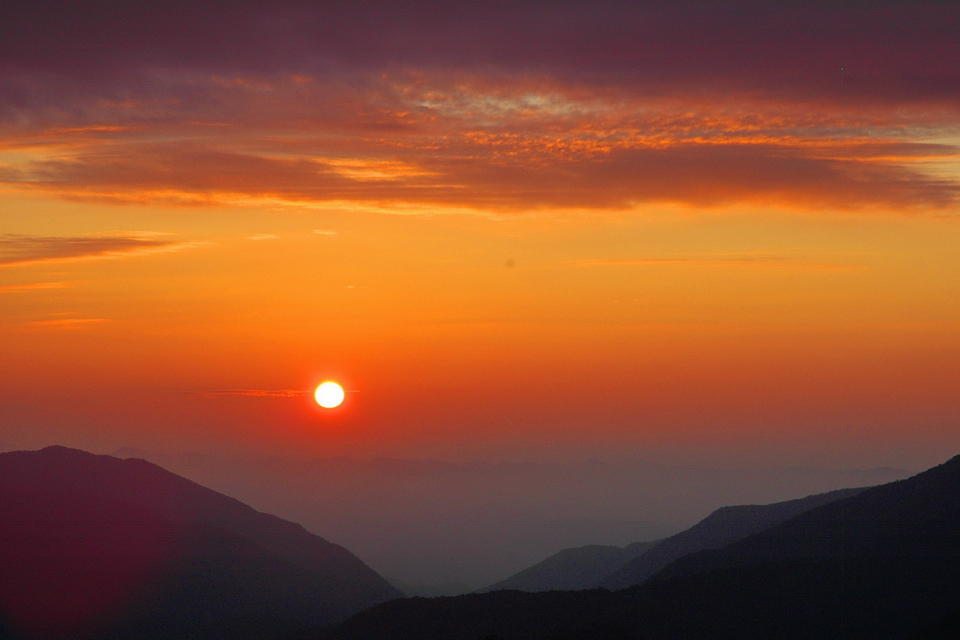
675 233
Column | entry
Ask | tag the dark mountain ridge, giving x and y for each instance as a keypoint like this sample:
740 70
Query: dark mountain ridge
913 518
610 567
722 527
880 565
95 546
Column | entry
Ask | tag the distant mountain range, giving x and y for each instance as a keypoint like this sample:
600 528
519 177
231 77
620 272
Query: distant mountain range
614 568
97 547
573 569
722 527
883 564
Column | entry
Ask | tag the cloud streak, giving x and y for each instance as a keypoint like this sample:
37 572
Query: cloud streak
20 250
735 261
64 323
509 177
254 393
31 286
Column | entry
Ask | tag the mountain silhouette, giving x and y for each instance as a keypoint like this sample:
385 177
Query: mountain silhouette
573 569
880 565
611 567
946 628
93 546
722 527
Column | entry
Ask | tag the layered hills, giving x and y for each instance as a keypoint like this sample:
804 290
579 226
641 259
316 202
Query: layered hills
883 564
98 547
588 567
721 528
573 569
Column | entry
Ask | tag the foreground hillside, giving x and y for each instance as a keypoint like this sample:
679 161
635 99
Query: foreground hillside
98 547
880 565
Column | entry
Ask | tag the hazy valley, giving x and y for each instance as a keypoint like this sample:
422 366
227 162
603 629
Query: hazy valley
101 547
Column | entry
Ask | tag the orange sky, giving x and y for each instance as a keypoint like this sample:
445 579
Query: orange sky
501 255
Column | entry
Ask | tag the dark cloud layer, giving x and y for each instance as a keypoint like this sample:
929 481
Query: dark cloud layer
495 105
890 50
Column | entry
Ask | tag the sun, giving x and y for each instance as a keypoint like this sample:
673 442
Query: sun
329 395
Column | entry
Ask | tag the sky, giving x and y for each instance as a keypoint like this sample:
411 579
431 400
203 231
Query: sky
711 234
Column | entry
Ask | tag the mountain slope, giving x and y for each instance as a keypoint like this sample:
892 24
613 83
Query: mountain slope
106 547
573 569
722 527
946 628
914 518
880 565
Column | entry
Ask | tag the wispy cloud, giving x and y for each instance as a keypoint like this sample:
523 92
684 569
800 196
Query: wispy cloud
263 236
21 250
734 261
32 286
325 232
64 323
254 393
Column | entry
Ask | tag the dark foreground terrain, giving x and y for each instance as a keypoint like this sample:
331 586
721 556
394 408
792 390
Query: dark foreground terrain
94 547
880 565
98 547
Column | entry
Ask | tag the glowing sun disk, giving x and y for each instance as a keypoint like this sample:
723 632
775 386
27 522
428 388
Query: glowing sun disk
329 395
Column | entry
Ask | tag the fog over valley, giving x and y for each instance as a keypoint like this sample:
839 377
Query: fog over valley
427 523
